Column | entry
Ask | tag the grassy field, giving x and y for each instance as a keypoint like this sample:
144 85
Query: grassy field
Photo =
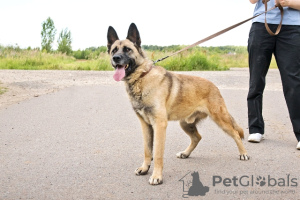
200 58
37 60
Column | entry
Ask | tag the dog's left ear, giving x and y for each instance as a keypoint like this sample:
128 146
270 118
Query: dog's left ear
111 37
134 35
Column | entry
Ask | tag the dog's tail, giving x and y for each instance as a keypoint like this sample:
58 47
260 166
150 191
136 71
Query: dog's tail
237 128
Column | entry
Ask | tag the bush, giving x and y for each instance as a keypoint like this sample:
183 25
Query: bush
32 59
192 60
90 53
64 42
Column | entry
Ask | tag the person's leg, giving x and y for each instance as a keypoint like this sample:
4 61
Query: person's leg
287 54
260 49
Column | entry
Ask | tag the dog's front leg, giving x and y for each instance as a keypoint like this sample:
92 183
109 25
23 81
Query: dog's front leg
148 147
159 127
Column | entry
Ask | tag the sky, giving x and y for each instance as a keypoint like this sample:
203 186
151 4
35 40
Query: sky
162 23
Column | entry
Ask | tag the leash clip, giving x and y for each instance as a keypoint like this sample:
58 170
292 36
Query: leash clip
154 62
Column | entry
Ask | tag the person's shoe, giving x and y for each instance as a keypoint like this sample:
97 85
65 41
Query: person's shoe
256 137
298 146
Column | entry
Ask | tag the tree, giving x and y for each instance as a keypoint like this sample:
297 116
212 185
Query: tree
48 34
64 42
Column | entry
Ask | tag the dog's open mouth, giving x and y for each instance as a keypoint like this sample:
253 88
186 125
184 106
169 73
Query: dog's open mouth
120 72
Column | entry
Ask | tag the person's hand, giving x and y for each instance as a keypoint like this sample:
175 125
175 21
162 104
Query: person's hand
283 3
295 4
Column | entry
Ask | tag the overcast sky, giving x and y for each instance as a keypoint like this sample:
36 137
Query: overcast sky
169 22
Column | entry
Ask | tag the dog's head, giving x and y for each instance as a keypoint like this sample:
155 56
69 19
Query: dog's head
125 55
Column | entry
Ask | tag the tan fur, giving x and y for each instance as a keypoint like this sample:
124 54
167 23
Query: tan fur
161 96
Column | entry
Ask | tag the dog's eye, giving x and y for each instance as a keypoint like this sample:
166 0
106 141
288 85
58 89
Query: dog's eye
126 49
115 50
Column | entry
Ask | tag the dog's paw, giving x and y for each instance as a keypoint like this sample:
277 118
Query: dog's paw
155 180
142 170
182 155
244 157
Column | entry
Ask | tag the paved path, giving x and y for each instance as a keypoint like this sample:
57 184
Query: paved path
84 142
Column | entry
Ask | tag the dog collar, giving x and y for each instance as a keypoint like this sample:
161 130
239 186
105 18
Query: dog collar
145 73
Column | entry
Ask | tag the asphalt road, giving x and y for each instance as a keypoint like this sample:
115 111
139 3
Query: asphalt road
84 142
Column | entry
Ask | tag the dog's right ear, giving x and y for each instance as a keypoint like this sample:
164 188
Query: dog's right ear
111 37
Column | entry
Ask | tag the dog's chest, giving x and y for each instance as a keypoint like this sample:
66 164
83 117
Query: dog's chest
140 101
142 109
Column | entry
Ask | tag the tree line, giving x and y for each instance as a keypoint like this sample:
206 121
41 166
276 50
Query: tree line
64 43
48 35
218 49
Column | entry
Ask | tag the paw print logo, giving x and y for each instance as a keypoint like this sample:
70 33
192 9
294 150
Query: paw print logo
261 181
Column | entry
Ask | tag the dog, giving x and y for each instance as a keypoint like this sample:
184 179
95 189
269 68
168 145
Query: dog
158 96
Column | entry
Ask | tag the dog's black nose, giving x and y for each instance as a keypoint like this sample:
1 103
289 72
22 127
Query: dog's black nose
117 58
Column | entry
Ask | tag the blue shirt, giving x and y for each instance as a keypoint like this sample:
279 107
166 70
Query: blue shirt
290 16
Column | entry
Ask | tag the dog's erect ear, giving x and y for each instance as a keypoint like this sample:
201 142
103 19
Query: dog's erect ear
134 35
111 37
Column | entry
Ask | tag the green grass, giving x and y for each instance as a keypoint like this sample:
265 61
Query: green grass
199 58
32 60
239 60
2 89
190 61
37 60
101 64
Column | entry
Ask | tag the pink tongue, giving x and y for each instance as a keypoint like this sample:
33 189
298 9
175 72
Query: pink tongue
119 73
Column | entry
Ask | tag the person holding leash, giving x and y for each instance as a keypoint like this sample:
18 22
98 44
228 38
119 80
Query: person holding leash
286 48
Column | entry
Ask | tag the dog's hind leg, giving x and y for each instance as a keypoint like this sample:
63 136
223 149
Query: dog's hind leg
190 130
224 120
148 147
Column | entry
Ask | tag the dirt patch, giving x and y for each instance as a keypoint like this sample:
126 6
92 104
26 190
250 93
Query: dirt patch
20 85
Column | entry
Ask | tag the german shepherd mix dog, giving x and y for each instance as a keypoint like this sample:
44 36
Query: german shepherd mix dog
158 95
